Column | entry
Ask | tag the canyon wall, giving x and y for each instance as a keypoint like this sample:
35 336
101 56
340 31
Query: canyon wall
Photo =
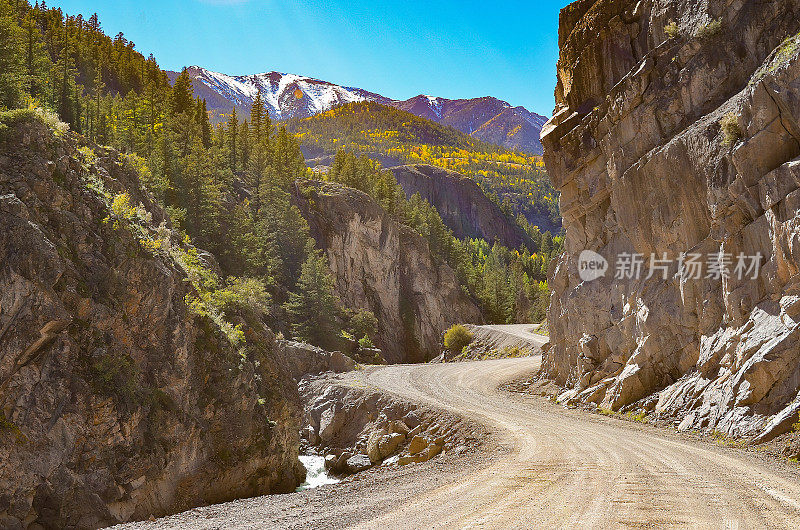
677 130
464 207
387 268
116 401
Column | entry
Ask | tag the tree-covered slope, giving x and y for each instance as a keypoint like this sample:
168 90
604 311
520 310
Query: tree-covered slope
518 182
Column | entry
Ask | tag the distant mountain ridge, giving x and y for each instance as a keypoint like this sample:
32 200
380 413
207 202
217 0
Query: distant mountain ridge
293 96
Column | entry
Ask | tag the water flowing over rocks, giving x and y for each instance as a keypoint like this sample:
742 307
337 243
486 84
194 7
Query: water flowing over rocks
677 130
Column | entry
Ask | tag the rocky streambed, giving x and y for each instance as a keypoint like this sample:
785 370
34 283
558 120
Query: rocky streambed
355 427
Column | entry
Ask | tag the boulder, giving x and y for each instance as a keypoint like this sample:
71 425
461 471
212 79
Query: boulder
330 421
417 445
340 362
357 463
373 445
330 462
389 444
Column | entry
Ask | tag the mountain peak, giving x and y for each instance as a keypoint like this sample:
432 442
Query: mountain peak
288 96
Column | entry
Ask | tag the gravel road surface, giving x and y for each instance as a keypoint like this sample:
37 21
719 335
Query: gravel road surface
542 466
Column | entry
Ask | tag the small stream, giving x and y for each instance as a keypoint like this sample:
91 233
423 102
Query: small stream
316 475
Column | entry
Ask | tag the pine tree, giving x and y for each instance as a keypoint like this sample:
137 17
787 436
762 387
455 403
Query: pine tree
36 61
203 123
313 307
182 94
259 119
244 141
233 130
11 67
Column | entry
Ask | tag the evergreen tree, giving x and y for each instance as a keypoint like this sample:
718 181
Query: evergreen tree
11 67
233 131
313 307
182 94
203 123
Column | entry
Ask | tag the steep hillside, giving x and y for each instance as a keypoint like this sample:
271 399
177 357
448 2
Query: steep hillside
488 119
395 137
677 131
387 268
464 208
118 398
293 96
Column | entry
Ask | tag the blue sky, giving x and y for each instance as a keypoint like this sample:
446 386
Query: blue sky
449 48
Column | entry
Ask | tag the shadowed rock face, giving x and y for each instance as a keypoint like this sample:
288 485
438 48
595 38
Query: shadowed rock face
637 151
387 268
116 402
464 208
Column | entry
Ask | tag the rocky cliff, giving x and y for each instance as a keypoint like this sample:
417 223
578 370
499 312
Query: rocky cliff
385 267
464 208
677 130
116 401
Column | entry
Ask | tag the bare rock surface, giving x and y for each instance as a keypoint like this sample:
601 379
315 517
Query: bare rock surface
676 131
387 268
464 207
116 402
356 427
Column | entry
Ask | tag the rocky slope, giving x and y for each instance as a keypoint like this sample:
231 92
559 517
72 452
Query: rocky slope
357 427
677 131
387 268
116 401
464 208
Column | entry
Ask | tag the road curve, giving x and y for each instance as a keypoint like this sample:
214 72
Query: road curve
572 469
553 468
520 331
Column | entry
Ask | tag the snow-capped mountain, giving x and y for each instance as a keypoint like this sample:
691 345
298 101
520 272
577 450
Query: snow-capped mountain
289 96
285 95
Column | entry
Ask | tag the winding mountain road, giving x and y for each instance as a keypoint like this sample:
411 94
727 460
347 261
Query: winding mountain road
552 468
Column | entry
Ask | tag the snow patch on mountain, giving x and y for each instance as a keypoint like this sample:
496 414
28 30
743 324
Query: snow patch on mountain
284 95
289 96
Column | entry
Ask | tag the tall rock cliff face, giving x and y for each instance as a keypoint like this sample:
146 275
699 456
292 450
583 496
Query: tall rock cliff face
464 208
116 402
638 150
387 268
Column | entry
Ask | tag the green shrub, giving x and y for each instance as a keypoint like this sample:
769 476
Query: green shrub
457 338
672 30
363 323
710 29
731 131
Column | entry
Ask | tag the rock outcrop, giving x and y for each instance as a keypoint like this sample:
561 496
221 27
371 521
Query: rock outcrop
357 428
302 359
387 268
116 401
677 130
464 208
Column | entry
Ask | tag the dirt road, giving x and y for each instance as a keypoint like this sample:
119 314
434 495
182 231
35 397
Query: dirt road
551 468
509 335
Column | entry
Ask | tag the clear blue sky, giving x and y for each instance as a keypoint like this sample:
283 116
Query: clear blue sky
449 48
